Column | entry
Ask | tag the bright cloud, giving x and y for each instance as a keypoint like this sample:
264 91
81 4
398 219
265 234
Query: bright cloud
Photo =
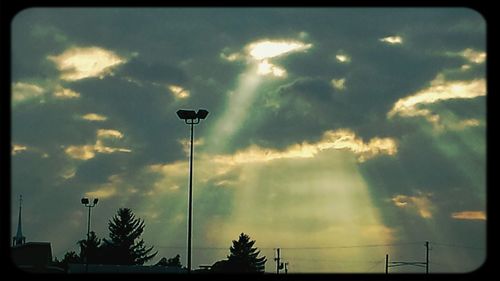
231 57
338 84
473 56
465 67
82 152
265 50
22 92
178 91
173 175
18 148
464 124
101 193
266 68
86 152
101 148
419 203
439 90
269 49
108 189
392 40
343 58
64 93
470 123
94 117
79 63
68 173
258 57
104 133
469 215
342 139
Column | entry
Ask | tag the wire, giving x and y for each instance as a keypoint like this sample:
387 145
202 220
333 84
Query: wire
350 246
458 246
303 248
331 260
373 266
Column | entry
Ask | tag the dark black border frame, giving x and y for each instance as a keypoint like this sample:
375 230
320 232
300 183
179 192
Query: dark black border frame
8 10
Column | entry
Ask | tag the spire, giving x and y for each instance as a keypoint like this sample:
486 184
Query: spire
19 239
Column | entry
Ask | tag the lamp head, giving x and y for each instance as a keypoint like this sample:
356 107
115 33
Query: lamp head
202 114
85 201
95 200
186 114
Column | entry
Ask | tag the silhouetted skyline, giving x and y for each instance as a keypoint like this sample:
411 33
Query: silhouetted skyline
330 130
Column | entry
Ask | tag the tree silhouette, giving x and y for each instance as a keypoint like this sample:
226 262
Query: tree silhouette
122 248
91 248
172 262
69 257
242 258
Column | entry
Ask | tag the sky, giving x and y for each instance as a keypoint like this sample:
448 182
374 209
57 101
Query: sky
338 135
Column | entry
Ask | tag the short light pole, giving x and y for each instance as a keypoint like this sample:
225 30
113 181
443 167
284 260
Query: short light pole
191 117
85 201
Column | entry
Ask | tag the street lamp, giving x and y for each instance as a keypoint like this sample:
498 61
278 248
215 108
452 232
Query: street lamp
85 201
191 117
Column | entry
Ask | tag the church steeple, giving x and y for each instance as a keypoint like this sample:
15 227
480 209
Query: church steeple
19 239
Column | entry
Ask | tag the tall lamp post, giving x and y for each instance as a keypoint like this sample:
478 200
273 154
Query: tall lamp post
191 117
85 201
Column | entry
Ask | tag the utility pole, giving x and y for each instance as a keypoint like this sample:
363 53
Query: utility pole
426 257
386 264
277 259
413 263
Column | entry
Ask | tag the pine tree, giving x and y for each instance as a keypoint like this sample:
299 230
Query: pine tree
243 257
122 248
90 250
172 262
69 257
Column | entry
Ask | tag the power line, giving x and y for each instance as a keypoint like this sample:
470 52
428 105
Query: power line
410 263
350 246
373 266
199 248
458 246
332 260
305 248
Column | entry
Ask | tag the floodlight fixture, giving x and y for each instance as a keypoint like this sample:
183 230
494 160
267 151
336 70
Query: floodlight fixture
186 114
202 114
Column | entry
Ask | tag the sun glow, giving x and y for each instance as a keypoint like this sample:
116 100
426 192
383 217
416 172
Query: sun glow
270 49
79 62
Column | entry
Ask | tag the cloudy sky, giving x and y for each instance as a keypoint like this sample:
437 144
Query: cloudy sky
338 135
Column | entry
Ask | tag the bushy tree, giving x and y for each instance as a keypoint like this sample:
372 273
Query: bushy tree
69 257
172 262
243 257
89 250
122 247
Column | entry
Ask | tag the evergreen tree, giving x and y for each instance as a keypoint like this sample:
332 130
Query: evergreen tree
91 248
242 258
172 262
122 247
69 257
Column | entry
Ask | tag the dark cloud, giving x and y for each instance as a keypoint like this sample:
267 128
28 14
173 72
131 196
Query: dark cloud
50 125
153 72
